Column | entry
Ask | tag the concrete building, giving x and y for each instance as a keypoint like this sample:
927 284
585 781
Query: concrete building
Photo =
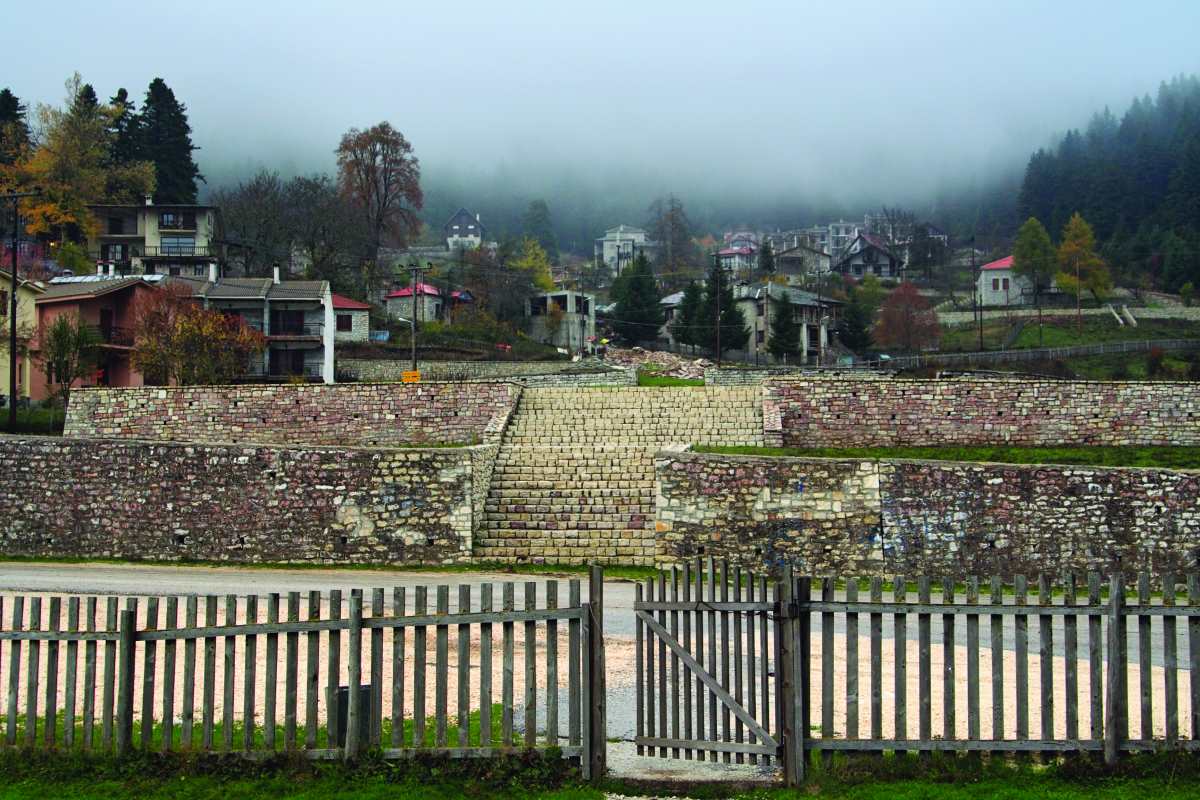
563 319
428 306
620 245
157 239
998 285
759 301
353 320
27 294
800 262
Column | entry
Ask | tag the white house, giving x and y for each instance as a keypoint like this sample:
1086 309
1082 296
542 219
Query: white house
620 245
999 285
175 239
463 231
739 260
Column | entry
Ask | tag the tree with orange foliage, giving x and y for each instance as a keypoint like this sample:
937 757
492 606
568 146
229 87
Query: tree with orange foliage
177 341
906 321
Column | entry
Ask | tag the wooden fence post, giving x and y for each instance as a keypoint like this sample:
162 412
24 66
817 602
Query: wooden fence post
125 648
597 754
1117 697
354 667
790 659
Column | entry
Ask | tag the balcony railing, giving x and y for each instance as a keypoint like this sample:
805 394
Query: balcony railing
114 335
169 250
178 222
314 329
258 372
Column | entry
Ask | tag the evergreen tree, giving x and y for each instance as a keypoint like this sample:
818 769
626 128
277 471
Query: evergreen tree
536 224
166 141
86 103
14 129
785 331
854 329
766 260
639 314
734 333
125 129
1034 256
1080 265
687 315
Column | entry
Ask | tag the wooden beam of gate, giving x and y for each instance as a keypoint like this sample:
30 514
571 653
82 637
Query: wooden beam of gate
707 679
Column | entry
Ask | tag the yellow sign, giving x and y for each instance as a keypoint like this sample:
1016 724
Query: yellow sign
410 376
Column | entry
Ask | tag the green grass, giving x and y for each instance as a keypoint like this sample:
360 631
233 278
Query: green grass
1167 457
1064 332
41 420
650 377
965 338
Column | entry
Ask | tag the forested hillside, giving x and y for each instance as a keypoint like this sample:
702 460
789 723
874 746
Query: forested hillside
1136 180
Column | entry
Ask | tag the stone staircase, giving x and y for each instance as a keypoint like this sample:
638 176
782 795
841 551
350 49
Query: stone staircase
574 477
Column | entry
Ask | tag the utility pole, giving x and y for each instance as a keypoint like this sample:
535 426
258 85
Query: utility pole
13 390
717 321
417 269
978 293
1078 301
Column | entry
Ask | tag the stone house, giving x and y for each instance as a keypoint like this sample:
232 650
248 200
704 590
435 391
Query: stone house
27 295
353 319
157 239
428 306
800 262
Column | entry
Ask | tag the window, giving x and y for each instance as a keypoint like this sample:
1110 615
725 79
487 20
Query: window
116 226
177 246
177 220
760 308
995 284
1006 284
113 252
345 323
3 302
759 336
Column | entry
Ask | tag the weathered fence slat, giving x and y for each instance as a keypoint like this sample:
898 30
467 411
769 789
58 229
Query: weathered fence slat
574 696
552 666
650 705
168 690
639 700
877 661
997 658
399 609
377 610
688 717
764 651
900 623
420 648
530 648
1193 624
149 662
949 680
33 671
208 712
698 653
354 709
312 673
1095 659
229 676
441 667
124 721
333 676
827 632
712 654
1071 659
675 664
852 661
249 677
1117 697
89 677
725 716
924 663
187 718
271 676
50 727
751 681
1021 644
1170 663
291 673
70 699
1145 673
464 668
973 675
508 603
485 669
1046 657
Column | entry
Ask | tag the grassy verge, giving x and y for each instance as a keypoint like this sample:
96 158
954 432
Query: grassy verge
1166 457
1065 332
612 571
41 420
649 377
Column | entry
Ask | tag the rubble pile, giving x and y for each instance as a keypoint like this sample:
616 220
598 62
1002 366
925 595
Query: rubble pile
673 364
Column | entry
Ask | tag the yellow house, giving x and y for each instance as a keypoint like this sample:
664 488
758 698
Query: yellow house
27 292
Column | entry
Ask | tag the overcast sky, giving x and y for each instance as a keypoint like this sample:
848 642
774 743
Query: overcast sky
837 98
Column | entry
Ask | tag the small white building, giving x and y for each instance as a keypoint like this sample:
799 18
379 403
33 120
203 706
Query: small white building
620 245
353 319
563 319
463 231
999 285
741 260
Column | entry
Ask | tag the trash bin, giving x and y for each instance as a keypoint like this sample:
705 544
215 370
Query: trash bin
339 710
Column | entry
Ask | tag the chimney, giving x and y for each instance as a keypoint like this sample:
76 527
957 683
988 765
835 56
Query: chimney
276 274
149 199
213 274
99 267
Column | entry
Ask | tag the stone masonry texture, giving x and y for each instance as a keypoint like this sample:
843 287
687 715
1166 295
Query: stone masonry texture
390 370
574 479
130 499
342 415
901 517
852 411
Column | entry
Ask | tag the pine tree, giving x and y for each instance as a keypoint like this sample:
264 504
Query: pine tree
687 315
14 129
166 141
1080 265
734 333
785 331
854 329
86 103
125 129
639 314
766 260
1034 257
536 224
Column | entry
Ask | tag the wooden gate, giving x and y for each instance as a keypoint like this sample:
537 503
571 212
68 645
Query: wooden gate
708 648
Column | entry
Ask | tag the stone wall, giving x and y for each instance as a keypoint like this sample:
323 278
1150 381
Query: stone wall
128 499
389 370
861 411
353 414
922 517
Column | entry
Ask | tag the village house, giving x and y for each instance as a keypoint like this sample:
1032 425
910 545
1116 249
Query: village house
800 262
741 260
353 319
869 255
999 285
617 248
428 306
463 231
562 319
27 295
157 239
759 301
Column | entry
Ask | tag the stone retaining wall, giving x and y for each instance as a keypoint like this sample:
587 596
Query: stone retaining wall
846 517
127 499
351 414
861 411
389 370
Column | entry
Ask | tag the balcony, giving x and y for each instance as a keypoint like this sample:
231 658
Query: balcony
257 373
113 336
295 330
177 222
178 250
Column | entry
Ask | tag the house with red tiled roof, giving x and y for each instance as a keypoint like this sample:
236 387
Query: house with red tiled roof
428 305
353 319
867 254
999 285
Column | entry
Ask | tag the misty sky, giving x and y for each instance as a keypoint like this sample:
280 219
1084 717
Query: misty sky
837 99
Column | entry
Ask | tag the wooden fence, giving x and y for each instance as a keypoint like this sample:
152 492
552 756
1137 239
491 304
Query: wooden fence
825 665
119 676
